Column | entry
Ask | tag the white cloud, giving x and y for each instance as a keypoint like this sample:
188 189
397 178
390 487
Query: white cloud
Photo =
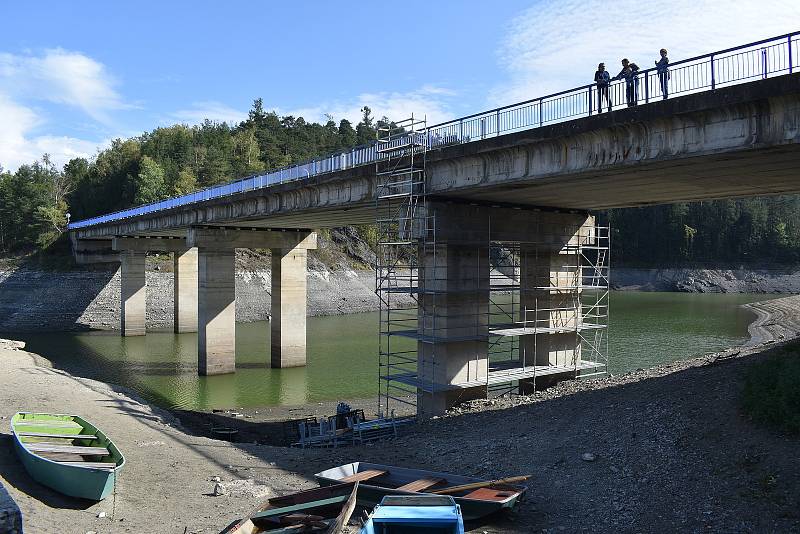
62 77
557 45
211 110
429 101
18 147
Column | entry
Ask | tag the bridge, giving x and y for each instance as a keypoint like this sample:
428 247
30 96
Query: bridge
518 180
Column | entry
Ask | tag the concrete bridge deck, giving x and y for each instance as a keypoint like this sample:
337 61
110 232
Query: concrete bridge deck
738 141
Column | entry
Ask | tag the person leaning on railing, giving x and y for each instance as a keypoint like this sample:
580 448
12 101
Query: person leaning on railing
602 78
662 68
629 73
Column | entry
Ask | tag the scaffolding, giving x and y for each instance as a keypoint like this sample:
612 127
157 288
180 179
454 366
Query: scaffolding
523 314
403 228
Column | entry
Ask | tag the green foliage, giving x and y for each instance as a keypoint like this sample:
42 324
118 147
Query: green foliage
771 395
149 183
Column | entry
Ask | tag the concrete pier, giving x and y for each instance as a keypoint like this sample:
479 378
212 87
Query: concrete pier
452 351
216 312
288 322
133 293
550 292
216 299
185 288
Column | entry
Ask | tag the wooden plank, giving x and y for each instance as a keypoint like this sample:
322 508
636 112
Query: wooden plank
477 485
490 494
299 507
99 465
36 422
422 484
364 475
72 449
45 435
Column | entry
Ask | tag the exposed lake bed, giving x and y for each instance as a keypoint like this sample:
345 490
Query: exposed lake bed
672 452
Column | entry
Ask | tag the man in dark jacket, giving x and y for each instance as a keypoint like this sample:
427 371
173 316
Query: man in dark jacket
602 78
629 73
662 68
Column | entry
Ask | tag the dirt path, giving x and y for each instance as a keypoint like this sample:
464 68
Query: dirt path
671 453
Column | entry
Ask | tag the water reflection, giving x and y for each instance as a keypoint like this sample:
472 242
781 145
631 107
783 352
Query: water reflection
646 329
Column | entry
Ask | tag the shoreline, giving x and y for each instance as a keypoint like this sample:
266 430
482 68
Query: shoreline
167 465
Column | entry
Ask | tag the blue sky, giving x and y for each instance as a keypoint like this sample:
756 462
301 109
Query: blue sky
74 75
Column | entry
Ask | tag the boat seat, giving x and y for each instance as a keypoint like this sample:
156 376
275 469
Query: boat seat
72 449
364 475
65 436
99 465
422 484
490 494
59 424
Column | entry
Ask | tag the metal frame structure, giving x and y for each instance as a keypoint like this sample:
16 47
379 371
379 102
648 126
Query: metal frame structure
403 226
762 59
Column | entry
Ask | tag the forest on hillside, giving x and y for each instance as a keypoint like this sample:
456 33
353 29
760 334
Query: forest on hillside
179 159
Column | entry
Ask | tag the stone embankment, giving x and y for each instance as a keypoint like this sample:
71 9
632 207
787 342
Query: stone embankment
697 280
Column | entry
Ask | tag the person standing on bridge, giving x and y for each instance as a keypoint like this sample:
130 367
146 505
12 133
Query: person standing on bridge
662 68
631 81
602 78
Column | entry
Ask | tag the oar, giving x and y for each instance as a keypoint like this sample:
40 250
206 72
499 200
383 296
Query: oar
477 485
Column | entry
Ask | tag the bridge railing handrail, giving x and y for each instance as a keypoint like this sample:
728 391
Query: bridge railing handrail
532 113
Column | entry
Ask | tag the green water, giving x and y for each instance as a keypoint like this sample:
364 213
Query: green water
645 329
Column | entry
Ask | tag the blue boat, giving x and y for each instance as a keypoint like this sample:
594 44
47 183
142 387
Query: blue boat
407 514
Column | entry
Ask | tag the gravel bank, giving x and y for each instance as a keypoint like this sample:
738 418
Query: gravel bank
670 450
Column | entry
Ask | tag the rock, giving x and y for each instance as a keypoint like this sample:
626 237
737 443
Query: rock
588 457
101 515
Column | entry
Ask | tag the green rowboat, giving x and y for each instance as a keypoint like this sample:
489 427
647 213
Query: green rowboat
67 453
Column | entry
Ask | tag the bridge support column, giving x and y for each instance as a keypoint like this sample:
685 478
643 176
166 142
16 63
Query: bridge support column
216 311
216 299
452 351
288 321
185 290
133 293
550 295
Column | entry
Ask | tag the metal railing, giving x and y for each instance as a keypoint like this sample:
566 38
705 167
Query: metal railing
758 60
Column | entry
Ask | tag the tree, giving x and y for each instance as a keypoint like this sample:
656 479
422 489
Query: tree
365 130
185 183
149 182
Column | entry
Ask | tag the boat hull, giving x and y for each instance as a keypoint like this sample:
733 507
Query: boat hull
75 481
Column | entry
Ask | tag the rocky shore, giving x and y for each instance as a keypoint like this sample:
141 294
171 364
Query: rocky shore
659 450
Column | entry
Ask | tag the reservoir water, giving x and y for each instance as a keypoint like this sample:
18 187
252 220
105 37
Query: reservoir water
645 329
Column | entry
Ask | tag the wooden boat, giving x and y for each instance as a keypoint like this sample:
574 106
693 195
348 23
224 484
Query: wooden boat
476 497
321 510
67 453
415 513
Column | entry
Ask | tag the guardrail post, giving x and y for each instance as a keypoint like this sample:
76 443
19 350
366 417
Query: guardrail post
541 119
589 93
497 123
790 53
460 130
713 80
764 61
646 87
